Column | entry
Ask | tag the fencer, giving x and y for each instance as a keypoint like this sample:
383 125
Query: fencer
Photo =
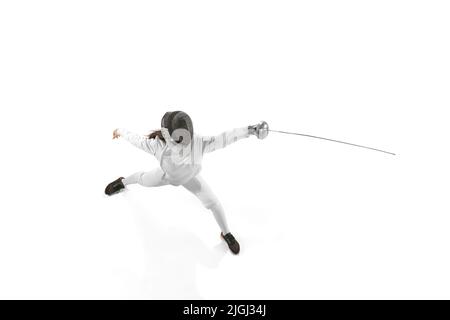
180 153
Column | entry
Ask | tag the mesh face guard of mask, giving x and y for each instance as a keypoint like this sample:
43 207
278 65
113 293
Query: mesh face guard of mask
178 126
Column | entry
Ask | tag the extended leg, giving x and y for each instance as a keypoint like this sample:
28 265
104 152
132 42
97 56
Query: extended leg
204 193
154 178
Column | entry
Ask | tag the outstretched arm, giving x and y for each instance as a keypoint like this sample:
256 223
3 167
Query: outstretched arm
224 139
139 141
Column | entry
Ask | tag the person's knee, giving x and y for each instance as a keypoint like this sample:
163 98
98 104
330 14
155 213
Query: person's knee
203 193
195 186
212 204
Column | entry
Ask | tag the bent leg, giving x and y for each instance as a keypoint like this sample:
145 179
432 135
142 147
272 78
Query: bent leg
154 178
204 193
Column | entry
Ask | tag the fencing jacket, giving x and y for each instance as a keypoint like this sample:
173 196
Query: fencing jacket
179 162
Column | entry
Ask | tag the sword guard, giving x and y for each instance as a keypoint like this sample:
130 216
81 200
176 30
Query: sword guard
260 130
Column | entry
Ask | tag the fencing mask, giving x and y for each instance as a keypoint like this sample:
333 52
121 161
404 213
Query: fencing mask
179 126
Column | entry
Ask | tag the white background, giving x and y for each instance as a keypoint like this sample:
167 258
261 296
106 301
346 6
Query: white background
315 219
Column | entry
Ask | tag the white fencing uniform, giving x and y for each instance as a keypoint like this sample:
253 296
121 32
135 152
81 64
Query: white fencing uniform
181 164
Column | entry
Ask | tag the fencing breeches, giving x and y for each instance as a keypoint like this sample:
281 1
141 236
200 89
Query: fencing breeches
196 185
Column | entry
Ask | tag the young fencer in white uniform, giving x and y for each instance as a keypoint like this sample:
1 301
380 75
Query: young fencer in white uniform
180 152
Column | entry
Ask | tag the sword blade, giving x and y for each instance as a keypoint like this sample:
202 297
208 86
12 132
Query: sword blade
332 140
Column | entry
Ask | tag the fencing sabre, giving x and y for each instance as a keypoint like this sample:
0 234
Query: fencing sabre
261 130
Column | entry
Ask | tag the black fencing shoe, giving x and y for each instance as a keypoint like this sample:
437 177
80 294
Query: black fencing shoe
231 242
114 186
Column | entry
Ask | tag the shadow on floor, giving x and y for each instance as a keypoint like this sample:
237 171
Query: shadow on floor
172 256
